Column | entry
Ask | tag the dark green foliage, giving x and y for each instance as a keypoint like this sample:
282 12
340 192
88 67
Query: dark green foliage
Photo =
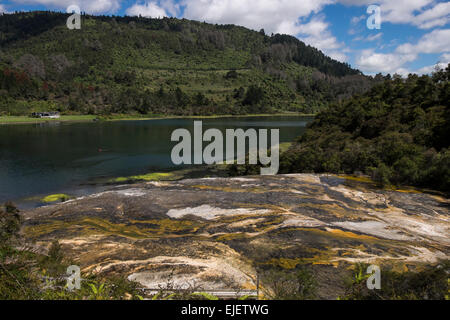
321 89
397 133
431 283
297 284
10 222
161 66
53 261
254 96
14 268
306 55
231 75
239 93
15 280
201 100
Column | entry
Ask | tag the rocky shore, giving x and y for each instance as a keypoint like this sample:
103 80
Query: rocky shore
215 233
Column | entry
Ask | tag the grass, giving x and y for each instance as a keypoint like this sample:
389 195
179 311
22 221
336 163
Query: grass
27 119
156 176
120 117
130 117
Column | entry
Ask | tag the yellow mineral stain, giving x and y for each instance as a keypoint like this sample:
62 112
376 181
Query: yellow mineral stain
92 226
348 234
362 179
229 189
409 190
232 236
285 263
156 176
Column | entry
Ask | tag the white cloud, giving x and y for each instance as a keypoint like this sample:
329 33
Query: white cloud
437 16
337 55
2 9
354 23
372 62
148 9
369 38
424 14
273 15
89 6
356 20
445 57
317 34
375 37
170 6
444 60
437 41
402 11
432 68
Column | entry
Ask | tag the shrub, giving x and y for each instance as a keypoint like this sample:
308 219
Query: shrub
298 284
431 283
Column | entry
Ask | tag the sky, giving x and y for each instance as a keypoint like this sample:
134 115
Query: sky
408 36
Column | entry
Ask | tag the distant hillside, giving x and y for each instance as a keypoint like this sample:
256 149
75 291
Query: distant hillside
162 66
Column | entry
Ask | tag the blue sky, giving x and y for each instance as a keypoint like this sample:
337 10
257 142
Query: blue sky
414 34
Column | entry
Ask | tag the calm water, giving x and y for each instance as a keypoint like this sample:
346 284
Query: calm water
42 159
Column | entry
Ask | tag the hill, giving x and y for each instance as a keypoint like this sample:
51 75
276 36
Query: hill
162 66
397 133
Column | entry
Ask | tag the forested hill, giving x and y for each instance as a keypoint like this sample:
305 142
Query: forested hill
398 133
165 66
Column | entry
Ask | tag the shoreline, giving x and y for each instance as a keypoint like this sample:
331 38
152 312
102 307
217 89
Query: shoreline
12 120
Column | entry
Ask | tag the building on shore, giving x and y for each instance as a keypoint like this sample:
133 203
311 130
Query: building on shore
49 115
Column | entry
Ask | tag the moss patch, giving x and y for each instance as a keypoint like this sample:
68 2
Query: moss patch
155 176
55 198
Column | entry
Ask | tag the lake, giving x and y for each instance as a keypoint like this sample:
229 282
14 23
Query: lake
42 159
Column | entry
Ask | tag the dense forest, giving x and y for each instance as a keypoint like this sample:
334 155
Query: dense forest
398 133
162 66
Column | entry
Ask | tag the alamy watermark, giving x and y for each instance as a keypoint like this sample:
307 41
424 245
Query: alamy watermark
374 20
74 278
74 21
374 280
213 153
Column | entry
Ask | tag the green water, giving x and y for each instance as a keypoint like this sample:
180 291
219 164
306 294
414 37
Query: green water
42 159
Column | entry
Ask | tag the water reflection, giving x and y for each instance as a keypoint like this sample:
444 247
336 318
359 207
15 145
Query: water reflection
45 158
